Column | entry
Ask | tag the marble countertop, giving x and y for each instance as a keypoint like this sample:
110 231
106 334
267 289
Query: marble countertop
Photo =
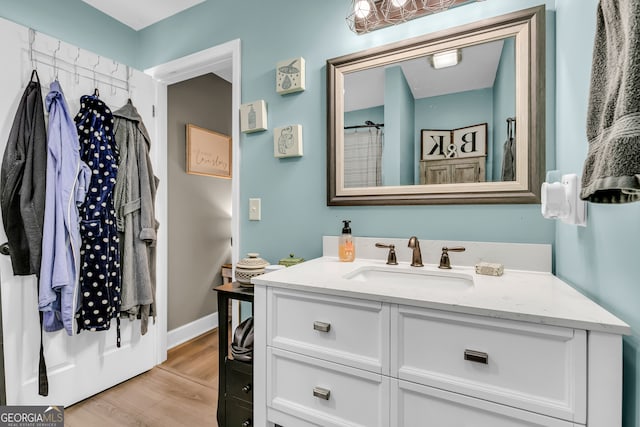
527 296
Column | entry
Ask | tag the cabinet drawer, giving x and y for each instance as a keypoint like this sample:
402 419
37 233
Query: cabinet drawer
326 393
539 368
343 330
239 380
239 413
416 405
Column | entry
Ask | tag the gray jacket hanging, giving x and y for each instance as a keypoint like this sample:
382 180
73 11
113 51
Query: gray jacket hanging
22 196
134 198
23 182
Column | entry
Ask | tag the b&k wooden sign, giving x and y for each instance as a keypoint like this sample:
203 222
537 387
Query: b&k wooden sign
470 141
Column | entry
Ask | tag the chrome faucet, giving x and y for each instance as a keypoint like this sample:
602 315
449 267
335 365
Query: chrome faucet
416 258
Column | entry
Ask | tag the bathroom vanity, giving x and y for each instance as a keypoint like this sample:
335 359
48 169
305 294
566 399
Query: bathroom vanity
369 344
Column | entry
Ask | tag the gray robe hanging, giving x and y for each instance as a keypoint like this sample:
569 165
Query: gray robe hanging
23 182
22 193
134 198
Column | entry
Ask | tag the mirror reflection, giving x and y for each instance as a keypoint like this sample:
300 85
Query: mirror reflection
434 119
455 116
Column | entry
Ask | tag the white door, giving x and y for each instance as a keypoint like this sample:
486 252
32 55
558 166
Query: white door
84 364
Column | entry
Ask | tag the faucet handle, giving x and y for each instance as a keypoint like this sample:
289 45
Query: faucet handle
391 258
445 262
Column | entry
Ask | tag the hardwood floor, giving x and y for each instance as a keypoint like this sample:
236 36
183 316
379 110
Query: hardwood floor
183 391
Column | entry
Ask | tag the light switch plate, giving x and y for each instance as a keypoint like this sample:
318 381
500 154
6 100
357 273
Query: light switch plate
254 210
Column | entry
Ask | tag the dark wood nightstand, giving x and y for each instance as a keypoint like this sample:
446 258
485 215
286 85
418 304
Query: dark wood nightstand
235 378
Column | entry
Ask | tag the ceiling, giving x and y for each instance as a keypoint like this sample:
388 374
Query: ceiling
139 14
476 70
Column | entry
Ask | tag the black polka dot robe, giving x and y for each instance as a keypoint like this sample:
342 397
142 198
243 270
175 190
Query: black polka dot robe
100 257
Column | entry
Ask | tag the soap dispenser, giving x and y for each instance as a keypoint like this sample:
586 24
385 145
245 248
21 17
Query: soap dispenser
346 247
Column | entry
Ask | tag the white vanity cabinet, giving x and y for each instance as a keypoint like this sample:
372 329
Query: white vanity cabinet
337 361
335 353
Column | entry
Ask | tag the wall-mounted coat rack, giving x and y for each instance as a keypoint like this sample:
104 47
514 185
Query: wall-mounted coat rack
38 57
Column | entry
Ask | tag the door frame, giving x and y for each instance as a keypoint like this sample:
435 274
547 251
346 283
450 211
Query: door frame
206 61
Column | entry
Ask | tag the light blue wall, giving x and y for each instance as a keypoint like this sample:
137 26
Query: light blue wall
504 105
602 259
398 150
358 117
456 110
77 23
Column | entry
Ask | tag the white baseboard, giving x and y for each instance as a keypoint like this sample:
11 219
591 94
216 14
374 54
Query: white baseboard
191 330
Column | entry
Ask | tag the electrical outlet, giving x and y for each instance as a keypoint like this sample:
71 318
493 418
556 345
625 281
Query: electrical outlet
254 210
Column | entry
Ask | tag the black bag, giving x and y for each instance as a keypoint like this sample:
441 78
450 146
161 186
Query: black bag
242 345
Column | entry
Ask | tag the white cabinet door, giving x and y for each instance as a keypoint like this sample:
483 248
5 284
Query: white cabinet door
540 368
416 405
85 364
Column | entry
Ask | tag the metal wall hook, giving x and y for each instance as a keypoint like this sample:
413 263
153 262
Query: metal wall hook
32 39
129 75
115 70
55 61
76 74
95 80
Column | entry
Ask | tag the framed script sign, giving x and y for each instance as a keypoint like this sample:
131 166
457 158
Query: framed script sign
208 152
470 141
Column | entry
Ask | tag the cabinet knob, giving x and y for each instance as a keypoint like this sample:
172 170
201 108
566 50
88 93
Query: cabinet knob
247 388
247 423
476 356
321 393
321 326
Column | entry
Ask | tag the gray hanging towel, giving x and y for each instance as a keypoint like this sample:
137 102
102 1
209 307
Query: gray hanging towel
612 168
509 160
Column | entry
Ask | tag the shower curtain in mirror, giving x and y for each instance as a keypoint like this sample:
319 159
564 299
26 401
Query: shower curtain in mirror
363 157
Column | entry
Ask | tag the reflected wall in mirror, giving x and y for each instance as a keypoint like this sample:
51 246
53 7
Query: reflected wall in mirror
403 129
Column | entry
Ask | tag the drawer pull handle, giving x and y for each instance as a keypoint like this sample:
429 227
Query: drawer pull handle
247 388
322 326
247 423
322 393
476 356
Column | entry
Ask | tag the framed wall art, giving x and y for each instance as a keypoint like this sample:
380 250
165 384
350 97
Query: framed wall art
290 76
253 116
287 141
208 152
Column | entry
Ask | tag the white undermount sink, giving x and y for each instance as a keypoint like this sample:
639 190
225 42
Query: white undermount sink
445 280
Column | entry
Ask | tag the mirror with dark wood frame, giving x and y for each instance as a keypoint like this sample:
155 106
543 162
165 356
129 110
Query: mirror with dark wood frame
452 117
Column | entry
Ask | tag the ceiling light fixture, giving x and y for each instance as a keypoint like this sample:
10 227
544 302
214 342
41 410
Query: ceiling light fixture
369 15
445 59
438 5
362 16
397 11
362 9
